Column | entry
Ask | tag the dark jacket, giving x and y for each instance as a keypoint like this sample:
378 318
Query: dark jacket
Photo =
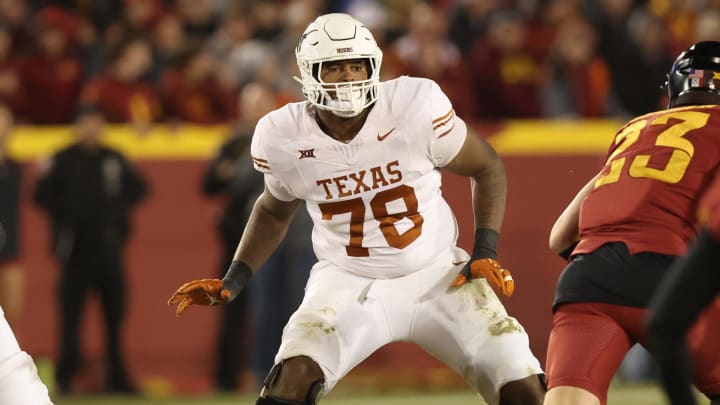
88 196
242 189
10 179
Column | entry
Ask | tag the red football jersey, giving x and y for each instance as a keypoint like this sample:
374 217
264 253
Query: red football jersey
657 169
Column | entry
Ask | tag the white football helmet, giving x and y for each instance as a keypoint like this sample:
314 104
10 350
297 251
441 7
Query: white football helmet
333 37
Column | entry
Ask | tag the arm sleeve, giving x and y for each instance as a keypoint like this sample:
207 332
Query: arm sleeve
263 163
448 130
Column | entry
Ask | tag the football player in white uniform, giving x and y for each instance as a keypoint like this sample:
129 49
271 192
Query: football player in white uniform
19 380
365 157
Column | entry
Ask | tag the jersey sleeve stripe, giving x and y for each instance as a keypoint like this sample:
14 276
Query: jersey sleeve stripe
449 113
261 163
446 132
440 124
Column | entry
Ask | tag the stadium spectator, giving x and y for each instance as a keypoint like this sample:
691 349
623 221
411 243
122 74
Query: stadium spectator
15 15
426 51
624 229
235 28
450 75
88 191
426 24
545 21
273 297
507 71
634 78
708 26
655 52
200 18
192 92
231 175
12 92
122 92
139 17
390 271
11 273
52 76
468 21
267 20
169 42
578 80
679 18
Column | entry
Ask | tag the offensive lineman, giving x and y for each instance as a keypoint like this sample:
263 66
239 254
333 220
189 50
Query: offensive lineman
365 156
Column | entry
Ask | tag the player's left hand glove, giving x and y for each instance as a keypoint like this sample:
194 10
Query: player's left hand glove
489 269
207 291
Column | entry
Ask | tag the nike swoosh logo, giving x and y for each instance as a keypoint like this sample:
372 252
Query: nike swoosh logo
385 135
459 263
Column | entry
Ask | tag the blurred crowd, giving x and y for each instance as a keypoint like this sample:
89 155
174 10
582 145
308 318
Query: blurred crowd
185 61
228 62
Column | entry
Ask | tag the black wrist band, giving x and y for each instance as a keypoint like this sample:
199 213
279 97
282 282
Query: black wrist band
486 241
236 277
565 254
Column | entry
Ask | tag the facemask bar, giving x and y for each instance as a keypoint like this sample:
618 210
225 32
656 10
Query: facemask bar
344 99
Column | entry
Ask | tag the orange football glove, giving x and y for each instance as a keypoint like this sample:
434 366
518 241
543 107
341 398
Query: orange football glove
207 291
489 269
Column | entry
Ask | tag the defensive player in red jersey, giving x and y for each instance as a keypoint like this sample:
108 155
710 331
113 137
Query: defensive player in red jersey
693 282
625 228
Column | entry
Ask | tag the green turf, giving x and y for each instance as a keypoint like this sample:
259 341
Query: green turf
620 394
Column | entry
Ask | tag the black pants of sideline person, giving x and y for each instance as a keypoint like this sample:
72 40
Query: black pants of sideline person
102 274
233 337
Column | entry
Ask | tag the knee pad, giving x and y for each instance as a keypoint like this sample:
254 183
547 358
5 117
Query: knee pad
311 398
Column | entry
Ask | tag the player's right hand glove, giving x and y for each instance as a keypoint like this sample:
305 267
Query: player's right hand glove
211 291
489 269
207 291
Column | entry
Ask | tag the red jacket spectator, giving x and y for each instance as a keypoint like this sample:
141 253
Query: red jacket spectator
123 101
52 76
121 92
193 93
506 71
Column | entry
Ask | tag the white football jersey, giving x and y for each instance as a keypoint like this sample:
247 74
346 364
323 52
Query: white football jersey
375 202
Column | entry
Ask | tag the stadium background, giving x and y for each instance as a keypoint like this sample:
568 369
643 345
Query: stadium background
549 107
174 240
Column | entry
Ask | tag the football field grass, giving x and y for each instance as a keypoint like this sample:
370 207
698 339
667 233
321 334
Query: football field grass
620 394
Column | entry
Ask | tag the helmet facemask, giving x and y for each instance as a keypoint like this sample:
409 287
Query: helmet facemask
338 37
